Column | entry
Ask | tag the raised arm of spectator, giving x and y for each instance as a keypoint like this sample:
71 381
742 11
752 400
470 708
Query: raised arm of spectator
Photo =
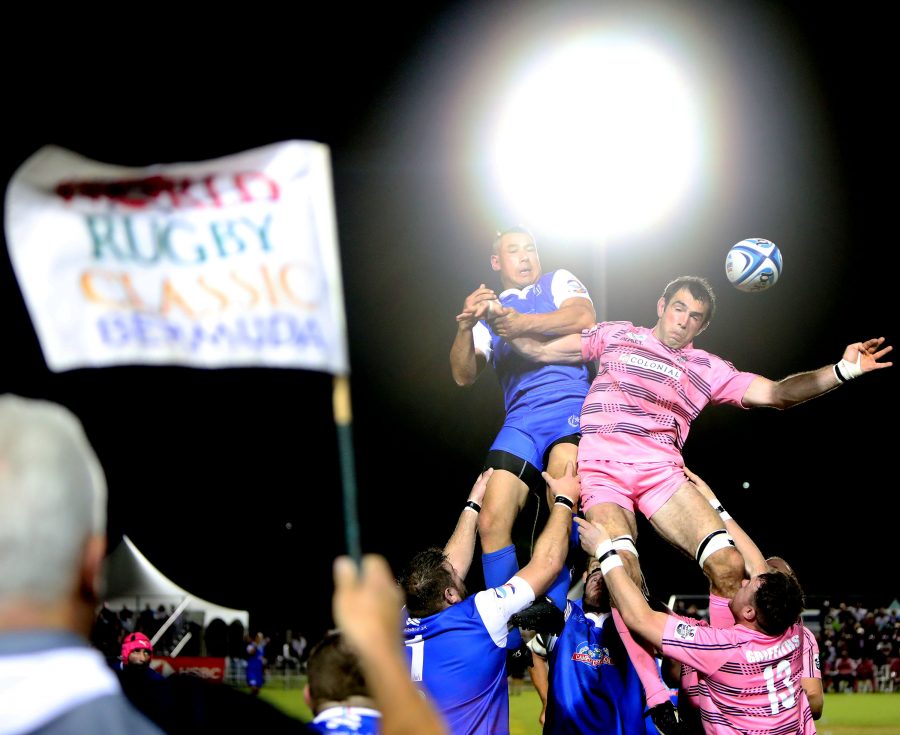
461 547
858 358
365 606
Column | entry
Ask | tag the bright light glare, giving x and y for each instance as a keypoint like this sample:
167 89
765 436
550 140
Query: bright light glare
599 137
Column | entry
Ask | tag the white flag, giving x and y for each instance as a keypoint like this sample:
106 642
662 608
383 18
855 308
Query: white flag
231 262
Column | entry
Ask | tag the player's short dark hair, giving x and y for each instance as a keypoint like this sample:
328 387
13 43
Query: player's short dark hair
778 602
515 230
699 288
424 580
333 671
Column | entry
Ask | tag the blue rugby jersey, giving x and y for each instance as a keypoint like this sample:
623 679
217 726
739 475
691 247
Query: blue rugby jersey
593 687
518 375
459 657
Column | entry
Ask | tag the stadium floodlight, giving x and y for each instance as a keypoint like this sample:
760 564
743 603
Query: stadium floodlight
597 137
602 131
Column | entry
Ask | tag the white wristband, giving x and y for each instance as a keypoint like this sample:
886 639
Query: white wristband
602 548
610 562
845 370
607 555
723 514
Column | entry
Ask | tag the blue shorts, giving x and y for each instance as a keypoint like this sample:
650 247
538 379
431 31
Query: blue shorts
255 674
536 422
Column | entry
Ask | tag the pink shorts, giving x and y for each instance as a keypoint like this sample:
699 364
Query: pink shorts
642 485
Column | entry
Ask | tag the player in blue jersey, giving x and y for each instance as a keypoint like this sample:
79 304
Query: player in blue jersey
456 643
592 685
256 662
543 402
336 690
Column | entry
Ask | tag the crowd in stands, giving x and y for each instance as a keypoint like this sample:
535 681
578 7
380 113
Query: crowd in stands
859 648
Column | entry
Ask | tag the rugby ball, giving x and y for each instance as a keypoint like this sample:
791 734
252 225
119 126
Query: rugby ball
753 264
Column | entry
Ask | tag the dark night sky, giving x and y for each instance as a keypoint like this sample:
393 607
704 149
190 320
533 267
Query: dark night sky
206 467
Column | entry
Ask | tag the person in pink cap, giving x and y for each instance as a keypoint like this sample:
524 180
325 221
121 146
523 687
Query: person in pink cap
137 650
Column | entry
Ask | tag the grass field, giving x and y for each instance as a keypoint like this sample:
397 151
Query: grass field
845 714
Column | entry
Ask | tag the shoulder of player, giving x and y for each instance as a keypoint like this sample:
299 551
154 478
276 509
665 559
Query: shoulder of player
562 277
618 330
703 357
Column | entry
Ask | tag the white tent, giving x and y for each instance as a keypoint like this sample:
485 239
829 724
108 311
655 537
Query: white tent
133 581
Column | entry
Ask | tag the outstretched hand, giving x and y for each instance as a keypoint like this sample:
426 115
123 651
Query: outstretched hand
591 535
866 355
477 305
480 486
569 485
704 489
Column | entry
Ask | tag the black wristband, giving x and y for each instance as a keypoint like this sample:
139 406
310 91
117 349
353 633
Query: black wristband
473 505
563 500
838 373
610 552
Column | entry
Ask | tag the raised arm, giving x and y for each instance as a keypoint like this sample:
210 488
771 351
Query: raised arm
552 546
466 362
566 350
858 358
637 614
461 547
365 608
754 561
573 315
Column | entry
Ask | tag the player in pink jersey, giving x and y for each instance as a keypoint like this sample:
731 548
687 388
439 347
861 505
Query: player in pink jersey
720 615
751 672
651 384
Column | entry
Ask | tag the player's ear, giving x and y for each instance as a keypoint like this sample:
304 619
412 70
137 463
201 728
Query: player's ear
495 262
451 596
660 307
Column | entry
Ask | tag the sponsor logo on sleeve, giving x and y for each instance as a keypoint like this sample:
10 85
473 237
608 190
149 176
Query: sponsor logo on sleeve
816 662
505 591
685 632
573 285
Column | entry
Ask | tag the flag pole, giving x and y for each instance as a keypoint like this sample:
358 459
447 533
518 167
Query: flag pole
343 420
